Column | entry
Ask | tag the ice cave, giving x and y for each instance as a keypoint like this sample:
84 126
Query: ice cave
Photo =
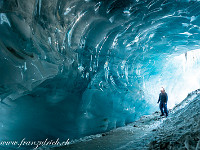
90 72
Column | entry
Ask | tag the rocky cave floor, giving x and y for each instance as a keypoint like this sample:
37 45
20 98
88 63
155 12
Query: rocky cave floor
180 131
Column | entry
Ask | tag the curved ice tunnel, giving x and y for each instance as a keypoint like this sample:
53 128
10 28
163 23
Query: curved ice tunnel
75 68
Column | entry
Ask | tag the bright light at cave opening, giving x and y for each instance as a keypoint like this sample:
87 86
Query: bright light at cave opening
190 74
180 75
185 76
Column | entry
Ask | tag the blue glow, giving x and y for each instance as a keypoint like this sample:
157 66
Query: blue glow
76 68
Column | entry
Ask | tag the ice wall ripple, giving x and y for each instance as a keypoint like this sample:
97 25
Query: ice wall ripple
104 53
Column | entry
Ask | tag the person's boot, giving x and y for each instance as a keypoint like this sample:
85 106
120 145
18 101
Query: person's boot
162 115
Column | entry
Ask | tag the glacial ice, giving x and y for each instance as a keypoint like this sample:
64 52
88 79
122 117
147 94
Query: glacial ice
75 68
181 130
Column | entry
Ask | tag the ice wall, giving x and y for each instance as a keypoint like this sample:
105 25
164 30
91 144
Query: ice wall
73 68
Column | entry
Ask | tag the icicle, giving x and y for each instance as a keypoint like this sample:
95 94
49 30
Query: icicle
40 2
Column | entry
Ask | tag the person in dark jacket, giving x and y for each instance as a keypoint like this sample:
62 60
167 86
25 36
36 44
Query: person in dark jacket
163 98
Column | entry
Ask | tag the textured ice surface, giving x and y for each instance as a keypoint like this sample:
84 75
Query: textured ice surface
181 130
70 68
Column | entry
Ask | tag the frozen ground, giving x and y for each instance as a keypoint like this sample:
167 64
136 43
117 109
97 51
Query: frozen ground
181 130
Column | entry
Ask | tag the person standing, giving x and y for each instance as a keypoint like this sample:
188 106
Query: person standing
163 98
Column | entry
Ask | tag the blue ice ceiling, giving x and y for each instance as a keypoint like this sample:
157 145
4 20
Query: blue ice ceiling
71 68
